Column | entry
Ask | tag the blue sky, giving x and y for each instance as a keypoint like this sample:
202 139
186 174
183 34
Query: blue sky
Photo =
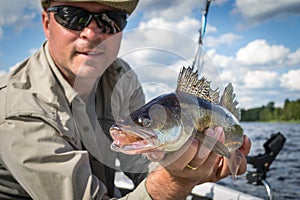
253 44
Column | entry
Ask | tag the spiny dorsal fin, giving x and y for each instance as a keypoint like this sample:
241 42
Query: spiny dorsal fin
188 82
228 101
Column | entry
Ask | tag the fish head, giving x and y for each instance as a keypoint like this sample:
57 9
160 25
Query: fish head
155 126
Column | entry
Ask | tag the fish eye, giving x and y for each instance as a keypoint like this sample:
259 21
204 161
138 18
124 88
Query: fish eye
145 121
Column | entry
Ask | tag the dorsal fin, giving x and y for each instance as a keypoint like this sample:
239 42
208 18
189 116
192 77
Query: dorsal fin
228 101
188 82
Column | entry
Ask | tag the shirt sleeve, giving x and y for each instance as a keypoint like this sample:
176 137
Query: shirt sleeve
45 164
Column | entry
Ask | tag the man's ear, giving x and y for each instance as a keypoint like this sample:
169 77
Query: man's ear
45 23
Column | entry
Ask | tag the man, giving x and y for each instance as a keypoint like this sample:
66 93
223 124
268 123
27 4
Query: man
56 108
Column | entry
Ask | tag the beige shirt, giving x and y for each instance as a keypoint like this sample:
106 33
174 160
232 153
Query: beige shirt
43 124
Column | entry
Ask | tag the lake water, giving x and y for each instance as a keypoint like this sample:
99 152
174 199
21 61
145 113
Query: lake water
284 173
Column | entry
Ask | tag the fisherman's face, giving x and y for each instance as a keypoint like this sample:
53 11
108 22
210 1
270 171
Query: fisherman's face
80 54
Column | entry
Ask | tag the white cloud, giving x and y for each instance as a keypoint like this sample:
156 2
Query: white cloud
293 58
155 45
259 52
260 79
157 55
254 88
18 13
291 80
247 102
186 25
256 11
256 99
225 39
219 59
171 10
229 76
267 77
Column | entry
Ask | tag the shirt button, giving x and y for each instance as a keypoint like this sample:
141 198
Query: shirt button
86 128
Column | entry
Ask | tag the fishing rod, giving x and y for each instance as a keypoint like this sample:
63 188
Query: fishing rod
197 57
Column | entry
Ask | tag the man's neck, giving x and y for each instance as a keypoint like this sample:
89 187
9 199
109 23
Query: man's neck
85 88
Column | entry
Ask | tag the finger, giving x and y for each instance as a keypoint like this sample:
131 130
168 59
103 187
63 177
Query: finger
220 132
203 150
155 156
208 163
205 154
245 148
221 169
180 159
206 171
217 134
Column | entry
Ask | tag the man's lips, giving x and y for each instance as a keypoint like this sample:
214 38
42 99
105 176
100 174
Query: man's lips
90 53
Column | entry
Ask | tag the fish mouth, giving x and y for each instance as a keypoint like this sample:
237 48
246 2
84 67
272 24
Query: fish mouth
131 140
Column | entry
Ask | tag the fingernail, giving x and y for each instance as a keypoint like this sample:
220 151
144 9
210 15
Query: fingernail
218 130
221 162
213 133
219 134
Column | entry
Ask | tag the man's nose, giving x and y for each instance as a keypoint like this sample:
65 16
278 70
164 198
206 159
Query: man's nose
92 32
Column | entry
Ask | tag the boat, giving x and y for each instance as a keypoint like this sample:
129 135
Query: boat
219 192
204 191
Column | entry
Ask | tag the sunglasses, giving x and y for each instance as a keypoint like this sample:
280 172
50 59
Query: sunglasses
109 22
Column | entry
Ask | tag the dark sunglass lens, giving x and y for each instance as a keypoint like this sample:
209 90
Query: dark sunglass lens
120 18
111 22
72 18
79 22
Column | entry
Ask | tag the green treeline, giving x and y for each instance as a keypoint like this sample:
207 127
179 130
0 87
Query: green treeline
289 112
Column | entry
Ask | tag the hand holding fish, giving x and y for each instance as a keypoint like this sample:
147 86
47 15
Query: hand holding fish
176 177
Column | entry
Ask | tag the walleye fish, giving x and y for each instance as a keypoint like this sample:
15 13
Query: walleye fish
168 121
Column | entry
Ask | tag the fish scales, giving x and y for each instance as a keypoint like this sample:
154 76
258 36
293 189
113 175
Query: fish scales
210 115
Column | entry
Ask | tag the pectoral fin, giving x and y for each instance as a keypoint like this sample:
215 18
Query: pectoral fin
213 144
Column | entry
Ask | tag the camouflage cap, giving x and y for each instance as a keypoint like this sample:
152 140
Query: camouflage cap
126 5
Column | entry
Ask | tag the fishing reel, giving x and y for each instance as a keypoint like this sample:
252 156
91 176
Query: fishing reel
262 162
